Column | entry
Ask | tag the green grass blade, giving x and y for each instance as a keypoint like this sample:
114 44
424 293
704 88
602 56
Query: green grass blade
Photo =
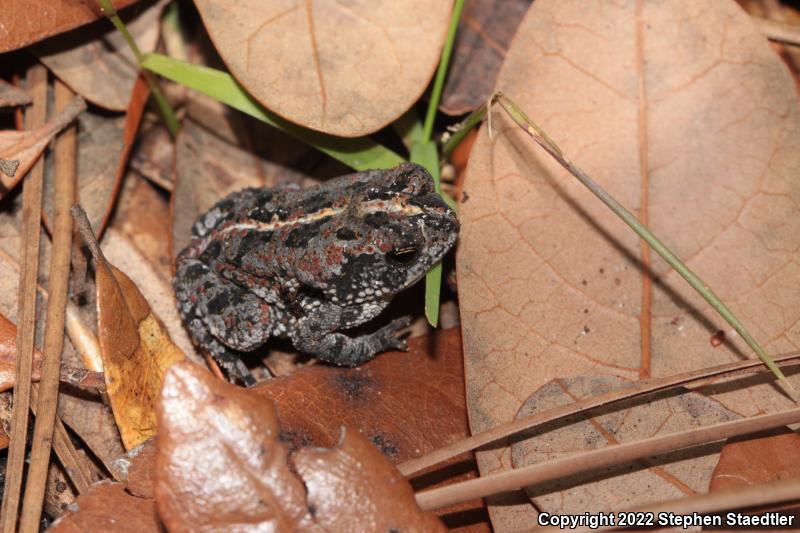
441 72
409 127
358 153
425 154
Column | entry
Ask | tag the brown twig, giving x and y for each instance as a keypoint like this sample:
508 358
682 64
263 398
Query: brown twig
66 150
74 463
641 388
482 487
26 304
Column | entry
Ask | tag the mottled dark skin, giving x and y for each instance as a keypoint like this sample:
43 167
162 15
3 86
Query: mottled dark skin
305 264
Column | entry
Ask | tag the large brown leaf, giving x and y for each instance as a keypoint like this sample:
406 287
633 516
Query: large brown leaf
682 111
406 403
97 63
219 461
345 68
23 22
666 477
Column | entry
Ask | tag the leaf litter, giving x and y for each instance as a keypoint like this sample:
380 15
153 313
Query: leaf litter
549 282
298 424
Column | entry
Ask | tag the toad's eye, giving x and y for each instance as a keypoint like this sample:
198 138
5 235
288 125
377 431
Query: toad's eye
403 256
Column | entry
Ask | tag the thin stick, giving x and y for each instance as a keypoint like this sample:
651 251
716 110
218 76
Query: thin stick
641 388
597 459
26 305
783 490
74 463
63 197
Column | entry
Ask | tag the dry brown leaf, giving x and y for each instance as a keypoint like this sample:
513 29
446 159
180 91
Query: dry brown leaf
135 469
674 475
141 215
156 288
27 146
12 96
484 33
343 68
104 143
208 169
23 22
136 352
757 459
154 154
107 507
406 403
97 62
680 110
94 423
8 355
220 463
376 497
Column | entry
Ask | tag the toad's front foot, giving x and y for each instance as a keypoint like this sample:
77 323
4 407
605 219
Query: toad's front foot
342 350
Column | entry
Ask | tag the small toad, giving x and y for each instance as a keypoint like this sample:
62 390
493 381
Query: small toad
308 263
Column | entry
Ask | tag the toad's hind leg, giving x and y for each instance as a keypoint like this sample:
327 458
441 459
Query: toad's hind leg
221 317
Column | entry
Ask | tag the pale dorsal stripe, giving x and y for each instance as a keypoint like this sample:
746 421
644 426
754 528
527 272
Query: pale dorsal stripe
393 206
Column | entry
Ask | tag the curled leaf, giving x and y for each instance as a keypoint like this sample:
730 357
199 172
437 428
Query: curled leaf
135 348
220 463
